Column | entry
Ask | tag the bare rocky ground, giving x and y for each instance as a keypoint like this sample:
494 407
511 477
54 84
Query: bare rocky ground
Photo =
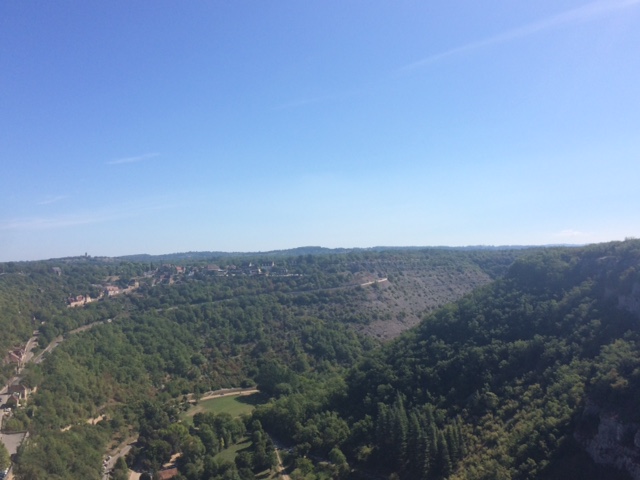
406 298
387 296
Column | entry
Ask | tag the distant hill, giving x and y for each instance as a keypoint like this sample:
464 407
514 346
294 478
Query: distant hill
182 256
534 364
34 295
311 250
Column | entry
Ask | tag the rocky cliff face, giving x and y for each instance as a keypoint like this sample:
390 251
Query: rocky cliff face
631 301
610 441
606 438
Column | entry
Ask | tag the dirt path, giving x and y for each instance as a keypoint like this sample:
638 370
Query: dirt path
283 475
295 292
86 327
380 280
227 393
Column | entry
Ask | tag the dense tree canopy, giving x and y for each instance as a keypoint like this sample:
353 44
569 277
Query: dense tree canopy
495 385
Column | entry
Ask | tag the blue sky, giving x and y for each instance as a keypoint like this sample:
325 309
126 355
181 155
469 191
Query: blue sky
163 126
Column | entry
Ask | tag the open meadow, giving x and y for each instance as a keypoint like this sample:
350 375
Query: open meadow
235 405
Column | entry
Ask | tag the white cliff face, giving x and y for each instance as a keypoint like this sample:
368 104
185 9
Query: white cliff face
614 443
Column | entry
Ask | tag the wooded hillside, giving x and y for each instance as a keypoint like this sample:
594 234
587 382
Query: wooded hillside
517 379
513 381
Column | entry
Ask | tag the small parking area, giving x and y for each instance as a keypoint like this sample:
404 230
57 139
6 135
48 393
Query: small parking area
12 441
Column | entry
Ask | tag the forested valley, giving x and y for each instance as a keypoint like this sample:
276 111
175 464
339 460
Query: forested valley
390 364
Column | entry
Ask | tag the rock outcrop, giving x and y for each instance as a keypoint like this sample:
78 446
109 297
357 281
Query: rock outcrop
610 441
631 302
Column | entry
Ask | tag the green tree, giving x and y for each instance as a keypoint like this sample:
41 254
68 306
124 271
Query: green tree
339 461
5 460
120 470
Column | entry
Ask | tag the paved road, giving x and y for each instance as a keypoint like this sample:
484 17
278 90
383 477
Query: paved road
12 441
31 344
122 451
58 340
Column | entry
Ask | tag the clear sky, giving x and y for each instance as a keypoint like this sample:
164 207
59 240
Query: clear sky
161 126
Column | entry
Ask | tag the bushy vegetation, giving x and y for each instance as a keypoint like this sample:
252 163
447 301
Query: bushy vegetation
491 386
494 385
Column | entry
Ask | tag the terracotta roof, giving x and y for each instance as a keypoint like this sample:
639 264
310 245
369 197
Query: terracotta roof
167 474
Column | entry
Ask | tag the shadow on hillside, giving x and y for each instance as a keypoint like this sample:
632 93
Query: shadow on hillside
253 399
573 462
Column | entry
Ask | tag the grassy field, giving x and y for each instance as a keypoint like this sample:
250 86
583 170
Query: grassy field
229 454
235 405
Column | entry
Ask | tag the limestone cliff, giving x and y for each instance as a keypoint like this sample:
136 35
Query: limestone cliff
631 301
610 441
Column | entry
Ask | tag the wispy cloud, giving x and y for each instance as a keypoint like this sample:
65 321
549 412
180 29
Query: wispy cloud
581 14
47 223
114 213
138 158
569 233
52 199
590 11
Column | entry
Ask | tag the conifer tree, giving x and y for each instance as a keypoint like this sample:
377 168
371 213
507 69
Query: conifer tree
443 465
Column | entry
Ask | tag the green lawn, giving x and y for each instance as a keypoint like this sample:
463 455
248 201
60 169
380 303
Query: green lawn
235 405
229 454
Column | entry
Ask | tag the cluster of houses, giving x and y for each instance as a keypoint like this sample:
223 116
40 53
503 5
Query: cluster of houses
79 300
18 395
107 291
16 355
167 273
247 269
